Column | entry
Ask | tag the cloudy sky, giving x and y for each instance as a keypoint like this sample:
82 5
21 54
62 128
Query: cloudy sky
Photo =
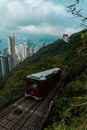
36 17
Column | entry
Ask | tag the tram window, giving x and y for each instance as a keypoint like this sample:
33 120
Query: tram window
32 83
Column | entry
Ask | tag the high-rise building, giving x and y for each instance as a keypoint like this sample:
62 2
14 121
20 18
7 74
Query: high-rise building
2 65
21 52
11 49
9 63
31 51
18 54
25 52
5 64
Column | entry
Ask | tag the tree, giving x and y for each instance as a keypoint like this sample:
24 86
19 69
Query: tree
77 13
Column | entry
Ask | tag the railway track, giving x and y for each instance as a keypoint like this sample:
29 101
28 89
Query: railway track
27 114
17 115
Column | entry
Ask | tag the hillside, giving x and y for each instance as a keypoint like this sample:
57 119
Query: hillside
69 109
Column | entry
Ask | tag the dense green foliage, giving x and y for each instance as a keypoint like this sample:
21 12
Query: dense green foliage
70 107
69 111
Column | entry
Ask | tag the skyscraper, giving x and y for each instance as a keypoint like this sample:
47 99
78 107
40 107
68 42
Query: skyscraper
5 64
11 49
2 65
9 62
25 52
32 50
21 52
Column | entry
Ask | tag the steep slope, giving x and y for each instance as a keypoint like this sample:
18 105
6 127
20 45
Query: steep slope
57 47
69 111
71 56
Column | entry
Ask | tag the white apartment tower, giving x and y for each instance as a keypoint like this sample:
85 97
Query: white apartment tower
25 50
11 49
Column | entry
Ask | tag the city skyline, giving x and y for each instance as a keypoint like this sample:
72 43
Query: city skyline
13 55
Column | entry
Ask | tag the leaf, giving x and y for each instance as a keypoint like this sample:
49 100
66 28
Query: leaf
77 1
73 9
70 6
79 10
85 19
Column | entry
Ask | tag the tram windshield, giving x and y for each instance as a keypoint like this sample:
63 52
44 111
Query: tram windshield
31 83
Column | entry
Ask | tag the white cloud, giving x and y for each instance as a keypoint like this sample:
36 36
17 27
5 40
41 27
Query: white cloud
34 2
71 30
47 7
41 29
36 10
34 16
48 29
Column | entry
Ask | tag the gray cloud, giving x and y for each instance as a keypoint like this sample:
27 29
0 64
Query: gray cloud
42 16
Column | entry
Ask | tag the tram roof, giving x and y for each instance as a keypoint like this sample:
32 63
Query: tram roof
44 74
